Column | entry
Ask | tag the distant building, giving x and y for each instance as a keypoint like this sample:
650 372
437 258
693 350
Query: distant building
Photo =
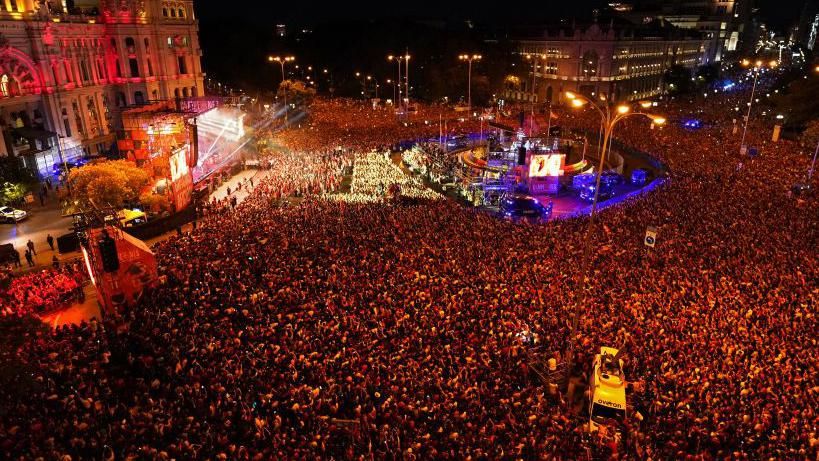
805 30
620 60
723 23
68 70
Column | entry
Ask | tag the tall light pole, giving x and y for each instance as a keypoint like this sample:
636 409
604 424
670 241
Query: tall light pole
406 76
283 60
533 58
469 59
370 77
397 60
758 66
611 116
391 82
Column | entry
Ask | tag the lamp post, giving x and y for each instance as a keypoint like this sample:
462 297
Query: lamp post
370 77
398 60
469 59
533 58
391 82
758 66
611 116
283 60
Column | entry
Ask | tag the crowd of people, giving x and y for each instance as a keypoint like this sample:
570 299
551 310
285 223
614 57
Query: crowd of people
376 177
336 330
42 291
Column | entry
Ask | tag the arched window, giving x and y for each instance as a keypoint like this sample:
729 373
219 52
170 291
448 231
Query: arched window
130 45
165 12
155 95
176 93
4 85
181 13
139 98
121 99
173 13
185 93
194 92
590 63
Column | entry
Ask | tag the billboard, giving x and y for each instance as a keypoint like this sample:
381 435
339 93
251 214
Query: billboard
543 165
179 164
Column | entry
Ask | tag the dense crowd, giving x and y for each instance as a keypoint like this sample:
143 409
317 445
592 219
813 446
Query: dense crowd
376 177
335 330
41 291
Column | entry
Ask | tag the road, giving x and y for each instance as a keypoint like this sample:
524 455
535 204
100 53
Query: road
41 221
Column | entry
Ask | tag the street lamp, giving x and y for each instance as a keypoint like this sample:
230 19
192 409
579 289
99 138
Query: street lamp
758 66
533 58
369 77
391 82
470 59
406 58
610 115
282 60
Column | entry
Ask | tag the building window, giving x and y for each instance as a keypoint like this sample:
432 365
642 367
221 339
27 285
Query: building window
67 67
121 99
165 12
155 95
147 46
139 98
173 13
66 123
194 92
4 85
78 118
551 68
590 63
130 45
183 65
150 68
181 13
84 71
119 69
132 62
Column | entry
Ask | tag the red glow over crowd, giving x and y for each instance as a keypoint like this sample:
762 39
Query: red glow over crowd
330 330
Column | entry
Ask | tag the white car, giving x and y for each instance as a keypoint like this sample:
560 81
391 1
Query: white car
11 215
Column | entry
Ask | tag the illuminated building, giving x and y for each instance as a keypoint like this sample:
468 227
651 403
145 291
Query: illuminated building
619 60
72 73
724 24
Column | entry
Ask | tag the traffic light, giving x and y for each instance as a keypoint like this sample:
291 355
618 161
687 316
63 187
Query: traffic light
108 253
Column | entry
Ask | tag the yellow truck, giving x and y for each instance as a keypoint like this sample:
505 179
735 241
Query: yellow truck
607 396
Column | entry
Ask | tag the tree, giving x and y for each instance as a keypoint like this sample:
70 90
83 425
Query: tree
708 74
297 91
15 180
678 79
110 183
11 192
155 202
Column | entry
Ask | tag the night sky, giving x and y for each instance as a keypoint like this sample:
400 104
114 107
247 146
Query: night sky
778 13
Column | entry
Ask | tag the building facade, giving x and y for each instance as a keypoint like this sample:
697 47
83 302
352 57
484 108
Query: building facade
66 76
616 61
723 24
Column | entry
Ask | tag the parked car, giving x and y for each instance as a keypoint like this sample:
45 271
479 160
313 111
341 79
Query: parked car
12 215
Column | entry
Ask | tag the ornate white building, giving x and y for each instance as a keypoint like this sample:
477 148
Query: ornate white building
621 61
65 76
